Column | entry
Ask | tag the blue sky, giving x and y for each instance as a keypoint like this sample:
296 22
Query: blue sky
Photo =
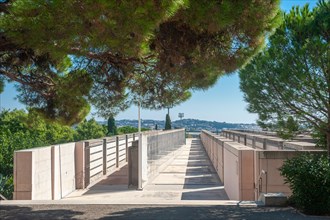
223 102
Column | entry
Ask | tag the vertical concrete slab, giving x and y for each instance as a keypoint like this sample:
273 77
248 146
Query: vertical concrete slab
56 180
22 175
143 160
126 147
220 162
117 151
41 174
86 164
231 175
104 151
256 174
133 180
246 160
67 168
79 159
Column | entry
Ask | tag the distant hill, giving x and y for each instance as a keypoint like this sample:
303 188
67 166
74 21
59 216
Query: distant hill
189 124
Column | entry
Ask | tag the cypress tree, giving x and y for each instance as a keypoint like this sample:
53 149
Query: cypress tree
168 122
112 128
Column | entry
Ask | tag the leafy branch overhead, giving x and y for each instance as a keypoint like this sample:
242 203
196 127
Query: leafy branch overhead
66 55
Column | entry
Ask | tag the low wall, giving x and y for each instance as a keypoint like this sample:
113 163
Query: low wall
63 170
245 171
155 150
269 140
52 172
233 163
30 167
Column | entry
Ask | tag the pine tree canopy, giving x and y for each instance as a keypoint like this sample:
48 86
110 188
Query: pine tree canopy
291 77
66 55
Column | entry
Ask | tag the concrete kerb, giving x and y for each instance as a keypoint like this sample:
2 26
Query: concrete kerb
113 202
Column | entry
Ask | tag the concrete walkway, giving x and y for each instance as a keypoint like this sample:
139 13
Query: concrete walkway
189 178
188 188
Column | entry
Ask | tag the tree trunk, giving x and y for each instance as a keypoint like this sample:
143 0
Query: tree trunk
328 143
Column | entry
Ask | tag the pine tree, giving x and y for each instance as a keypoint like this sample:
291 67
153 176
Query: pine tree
107 53
291 77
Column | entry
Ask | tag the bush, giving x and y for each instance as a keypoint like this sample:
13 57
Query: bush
89 130
6 186
130 130
309 179
321 138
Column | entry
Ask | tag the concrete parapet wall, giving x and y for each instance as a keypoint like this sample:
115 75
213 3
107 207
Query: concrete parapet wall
53 172
298 145
246 171
268 178
156 149
63 172
32 174
234 164
268 140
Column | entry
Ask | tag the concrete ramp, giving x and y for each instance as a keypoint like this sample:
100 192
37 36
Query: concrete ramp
189 178
190 175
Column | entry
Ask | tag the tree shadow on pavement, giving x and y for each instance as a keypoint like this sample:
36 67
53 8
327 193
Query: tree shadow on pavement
37 212
207 212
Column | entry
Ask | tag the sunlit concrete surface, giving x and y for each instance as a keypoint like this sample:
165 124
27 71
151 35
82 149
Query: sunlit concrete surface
188 179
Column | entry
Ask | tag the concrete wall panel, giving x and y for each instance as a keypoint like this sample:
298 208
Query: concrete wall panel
41 173
22 175
231 175
67 168
246 171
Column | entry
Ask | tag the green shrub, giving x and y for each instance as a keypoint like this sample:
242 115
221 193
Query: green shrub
6 186
309 179
89 130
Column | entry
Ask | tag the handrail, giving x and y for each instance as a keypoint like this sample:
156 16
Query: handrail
260 181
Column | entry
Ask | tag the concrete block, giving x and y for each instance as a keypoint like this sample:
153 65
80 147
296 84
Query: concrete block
79 165
273 199
133 165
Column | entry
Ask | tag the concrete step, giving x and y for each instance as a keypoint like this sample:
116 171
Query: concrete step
273 199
